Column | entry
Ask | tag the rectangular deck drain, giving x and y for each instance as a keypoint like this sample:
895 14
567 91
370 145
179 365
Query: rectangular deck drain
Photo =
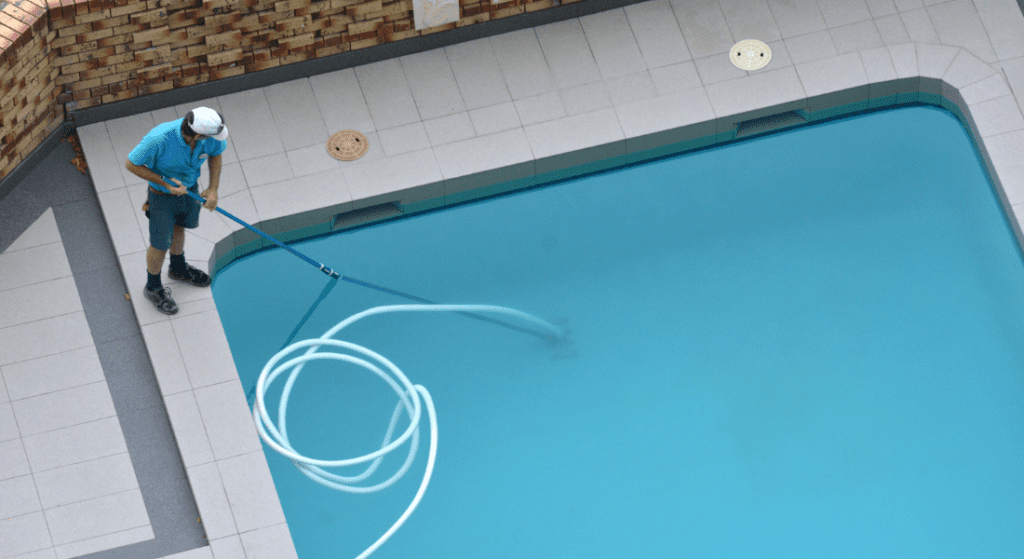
769 123
372 213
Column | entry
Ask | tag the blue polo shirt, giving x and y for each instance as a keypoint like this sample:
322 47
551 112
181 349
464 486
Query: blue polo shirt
165 151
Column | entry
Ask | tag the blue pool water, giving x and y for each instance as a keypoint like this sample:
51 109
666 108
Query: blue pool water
808 344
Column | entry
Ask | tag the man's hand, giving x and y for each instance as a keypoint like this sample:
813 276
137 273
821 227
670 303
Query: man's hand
211 198
180 190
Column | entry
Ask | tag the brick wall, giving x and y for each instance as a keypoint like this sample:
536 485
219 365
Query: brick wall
62 55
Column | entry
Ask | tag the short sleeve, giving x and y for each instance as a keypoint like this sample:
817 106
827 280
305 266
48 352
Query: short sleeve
145 153
215 147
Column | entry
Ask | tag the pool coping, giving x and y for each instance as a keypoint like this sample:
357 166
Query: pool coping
204 397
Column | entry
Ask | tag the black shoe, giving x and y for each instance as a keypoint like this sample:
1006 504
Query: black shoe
192 275
161 299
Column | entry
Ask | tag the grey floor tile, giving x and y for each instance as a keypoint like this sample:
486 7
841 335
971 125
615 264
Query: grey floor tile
18 211
57 182
129 374
110 315
43 231
162 478
84 234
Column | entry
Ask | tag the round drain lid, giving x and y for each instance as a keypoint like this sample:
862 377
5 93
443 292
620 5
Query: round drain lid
750 54
347 145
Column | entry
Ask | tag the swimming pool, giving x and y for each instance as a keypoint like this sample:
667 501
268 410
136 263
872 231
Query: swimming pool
801 345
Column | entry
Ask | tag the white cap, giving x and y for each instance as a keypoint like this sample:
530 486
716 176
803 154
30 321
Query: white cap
208 123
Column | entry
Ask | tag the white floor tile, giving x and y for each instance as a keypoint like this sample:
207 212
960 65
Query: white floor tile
13 462
38 301
23 534
52 373
296 114
432 83
72 445
44 337
341 102
86 480
102 516
33 265
18 496
56 410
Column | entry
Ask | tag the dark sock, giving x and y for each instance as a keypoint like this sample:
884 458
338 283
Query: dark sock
178 263
154 282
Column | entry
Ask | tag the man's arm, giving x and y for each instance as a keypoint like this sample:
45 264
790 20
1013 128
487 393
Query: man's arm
148 174
211 193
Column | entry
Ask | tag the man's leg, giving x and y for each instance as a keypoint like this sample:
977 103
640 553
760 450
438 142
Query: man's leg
177 241
179 269
155 260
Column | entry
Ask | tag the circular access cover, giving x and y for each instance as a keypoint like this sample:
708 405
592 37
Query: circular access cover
750 54
347 145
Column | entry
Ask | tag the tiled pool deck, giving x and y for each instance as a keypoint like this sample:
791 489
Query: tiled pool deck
466 121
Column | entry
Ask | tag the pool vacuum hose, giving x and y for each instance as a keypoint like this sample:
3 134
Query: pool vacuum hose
413 398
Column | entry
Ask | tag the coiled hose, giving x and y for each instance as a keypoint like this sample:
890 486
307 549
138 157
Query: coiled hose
411 398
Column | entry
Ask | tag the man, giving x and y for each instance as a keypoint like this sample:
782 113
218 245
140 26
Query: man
170 157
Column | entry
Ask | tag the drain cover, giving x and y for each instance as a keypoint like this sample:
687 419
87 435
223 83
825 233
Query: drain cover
750 54
347 145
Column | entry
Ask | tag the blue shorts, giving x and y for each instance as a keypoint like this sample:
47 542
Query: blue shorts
168 210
